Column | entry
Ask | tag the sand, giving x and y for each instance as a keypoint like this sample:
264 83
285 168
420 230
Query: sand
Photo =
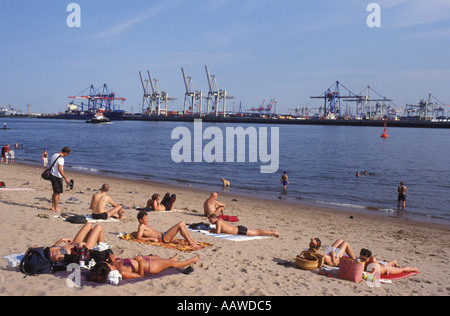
228 268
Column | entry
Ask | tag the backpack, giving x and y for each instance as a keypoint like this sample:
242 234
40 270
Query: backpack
35 262
2 185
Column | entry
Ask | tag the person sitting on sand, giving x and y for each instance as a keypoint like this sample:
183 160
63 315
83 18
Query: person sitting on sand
226 228
212 206
137 267
335 252
147 233
88 236
372 265
166 204
99 202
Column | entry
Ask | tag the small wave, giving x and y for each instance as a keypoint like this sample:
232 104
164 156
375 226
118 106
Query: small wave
346 205
86 169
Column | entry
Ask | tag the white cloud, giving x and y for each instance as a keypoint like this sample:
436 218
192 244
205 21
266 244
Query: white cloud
127 24
406 13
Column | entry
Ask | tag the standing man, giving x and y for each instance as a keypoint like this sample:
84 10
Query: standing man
285 180
58 176
402 195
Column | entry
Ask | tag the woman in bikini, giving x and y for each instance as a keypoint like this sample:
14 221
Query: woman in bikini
335 252
88 236
137 267
372 265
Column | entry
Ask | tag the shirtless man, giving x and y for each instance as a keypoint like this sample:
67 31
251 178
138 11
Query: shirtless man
147 233
226 228
99 202
402 195
284 180
212 206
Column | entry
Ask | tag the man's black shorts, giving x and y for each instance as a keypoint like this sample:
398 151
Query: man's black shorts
402 197
57 184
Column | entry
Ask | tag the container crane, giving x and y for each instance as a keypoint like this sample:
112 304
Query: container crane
191 96
215 94
155 97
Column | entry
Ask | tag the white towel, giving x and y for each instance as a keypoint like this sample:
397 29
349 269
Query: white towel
114 277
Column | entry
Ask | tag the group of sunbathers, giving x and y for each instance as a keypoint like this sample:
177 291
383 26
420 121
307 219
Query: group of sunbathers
139 266
342 248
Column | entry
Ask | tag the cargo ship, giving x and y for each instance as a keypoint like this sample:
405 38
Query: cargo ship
96 100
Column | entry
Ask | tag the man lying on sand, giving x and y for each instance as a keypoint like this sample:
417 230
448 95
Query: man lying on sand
99 202
147 233
226 228
212 206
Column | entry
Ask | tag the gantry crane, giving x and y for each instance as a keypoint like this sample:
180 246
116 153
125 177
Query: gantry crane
216 95
192 97
155 97
104 100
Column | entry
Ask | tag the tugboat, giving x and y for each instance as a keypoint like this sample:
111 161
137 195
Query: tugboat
99 118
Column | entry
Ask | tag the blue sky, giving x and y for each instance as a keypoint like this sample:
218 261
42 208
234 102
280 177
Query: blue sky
258 49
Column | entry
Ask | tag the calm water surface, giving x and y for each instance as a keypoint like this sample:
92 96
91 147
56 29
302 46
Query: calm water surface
321 161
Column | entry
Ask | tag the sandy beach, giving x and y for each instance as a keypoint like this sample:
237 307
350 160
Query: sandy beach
248 268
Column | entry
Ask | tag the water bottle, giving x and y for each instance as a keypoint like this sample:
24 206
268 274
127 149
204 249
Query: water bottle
369 278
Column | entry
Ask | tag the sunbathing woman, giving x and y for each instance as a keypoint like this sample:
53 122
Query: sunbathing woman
385 268
87 236
335 252
137 267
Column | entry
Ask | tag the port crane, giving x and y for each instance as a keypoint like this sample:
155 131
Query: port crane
192 97
216 95
265 110
364 107
98 100
425 110
153 96
332 100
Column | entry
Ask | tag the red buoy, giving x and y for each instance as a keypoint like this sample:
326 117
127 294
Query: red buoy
385 135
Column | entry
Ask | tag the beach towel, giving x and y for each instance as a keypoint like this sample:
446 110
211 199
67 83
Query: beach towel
150 210
14 261
91 220
203 229
229 218
176 244
109 220
396 277
15 189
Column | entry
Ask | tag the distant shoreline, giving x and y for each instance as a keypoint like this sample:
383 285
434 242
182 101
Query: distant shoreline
256 120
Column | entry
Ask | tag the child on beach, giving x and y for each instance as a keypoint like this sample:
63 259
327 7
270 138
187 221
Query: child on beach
226 228
147 233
